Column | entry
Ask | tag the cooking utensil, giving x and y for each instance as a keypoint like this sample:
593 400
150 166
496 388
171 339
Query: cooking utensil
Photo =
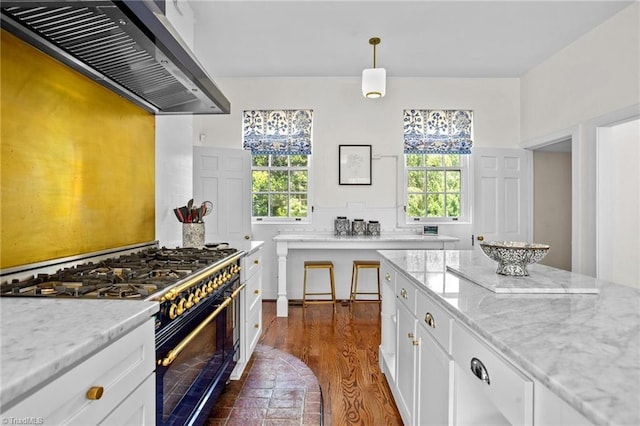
178 215
207 206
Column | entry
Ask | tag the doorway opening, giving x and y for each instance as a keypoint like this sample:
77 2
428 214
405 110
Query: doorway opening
552 199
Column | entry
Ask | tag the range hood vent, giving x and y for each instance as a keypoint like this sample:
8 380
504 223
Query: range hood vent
128 46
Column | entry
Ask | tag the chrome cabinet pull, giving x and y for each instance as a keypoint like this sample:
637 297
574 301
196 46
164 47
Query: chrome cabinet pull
410 335
428 318
403 293
387 276
479 370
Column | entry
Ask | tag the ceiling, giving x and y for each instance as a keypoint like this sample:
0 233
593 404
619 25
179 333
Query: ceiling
309 38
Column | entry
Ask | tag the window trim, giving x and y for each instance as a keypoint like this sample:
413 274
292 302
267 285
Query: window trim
466 193
275 220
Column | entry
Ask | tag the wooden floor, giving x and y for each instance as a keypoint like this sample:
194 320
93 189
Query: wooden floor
342 350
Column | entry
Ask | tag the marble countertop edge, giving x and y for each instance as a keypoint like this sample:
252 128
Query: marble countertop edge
22 375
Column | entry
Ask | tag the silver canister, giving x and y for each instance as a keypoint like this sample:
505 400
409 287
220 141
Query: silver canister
342 226
373 228
358 227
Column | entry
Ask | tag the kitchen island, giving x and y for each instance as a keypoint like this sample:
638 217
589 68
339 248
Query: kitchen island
54 351
583 349
286 242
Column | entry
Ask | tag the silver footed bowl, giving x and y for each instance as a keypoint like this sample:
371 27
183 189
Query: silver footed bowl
514 256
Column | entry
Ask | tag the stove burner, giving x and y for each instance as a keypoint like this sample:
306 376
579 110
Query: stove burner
135 275
123 291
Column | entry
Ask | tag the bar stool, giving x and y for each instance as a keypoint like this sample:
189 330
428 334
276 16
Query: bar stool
363 264
319 264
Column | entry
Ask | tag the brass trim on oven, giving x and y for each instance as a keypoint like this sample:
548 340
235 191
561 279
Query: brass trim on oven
195 279
173 353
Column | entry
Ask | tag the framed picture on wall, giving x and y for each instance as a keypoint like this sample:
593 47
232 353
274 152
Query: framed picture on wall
355 164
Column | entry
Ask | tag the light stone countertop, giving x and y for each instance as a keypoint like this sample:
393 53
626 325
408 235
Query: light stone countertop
584 347
384 237
41 338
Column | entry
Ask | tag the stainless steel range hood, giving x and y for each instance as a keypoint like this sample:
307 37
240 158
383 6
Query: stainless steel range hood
128 46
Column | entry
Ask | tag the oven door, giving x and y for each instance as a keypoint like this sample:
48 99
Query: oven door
195 357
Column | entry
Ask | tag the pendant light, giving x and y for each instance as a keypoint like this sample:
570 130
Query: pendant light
374 79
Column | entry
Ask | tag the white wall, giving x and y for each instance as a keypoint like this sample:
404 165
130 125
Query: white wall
593 82
343 116
618 216
597 74
174 148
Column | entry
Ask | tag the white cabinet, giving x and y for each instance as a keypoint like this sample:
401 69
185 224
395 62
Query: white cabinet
489 389
435 375
406 351
251 309
122 374
441 372
406 366
387 352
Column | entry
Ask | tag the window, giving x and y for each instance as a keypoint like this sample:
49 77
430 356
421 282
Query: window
435 187
280 144
436 165
279 186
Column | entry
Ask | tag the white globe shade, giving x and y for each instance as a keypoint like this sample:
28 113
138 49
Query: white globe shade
374 82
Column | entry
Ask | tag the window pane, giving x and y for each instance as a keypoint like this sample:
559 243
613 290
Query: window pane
416 205
416 181
452 160
279 160
298 160
260 205
260 160
279 180
298 205
279 205
434 160
453 180
259 180
453 205
435 181
299 181
414 160
435 205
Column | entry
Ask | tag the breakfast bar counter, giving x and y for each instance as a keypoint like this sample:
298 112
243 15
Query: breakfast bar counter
386 241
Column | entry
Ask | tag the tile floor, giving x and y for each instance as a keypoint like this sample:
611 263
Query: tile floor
276 389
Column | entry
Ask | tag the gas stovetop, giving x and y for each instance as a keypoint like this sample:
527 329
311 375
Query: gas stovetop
132 276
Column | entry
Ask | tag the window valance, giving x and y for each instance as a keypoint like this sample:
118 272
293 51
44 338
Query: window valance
280 132
438 131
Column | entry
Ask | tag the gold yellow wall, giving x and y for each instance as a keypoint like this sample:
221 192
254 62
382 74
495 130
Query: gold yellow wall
77 162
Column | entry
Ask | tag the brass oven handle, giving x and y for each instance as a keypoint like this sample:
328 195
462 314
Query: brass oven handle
173 353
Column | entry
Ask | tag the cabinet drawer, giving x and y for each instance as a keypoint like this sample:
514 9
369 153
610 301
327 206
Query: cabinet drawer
510 391
406 293
118 369
251 264
435 320
254 291
388 275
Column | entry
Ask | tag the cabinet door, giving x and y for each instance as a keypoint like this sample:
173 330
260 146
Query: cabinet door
138 409
223 176
435 382
388 320
406 363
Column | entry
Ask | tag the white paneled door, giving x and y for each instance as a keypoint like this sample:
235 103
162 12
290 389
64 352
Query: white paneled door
501 195
223 176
